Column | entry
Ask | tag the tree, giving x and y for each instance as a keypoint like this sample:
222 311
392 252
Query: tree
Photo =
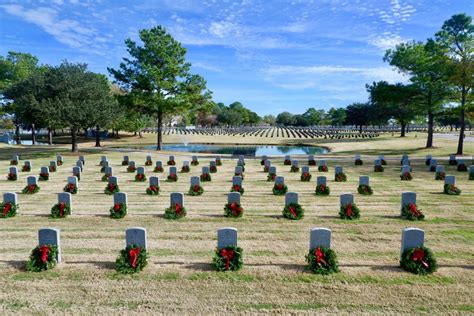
358 114
285 118
396 100
269 119
157 77
457 37
14 68
425 63
313 116
336 117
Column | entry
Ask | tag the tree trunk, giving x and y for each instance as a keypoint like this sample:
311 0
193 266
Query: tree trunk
50 136
135 133
140 134
463 122
429 141
360 129
403 126
33 134
73 140
17 132
97 136
159 136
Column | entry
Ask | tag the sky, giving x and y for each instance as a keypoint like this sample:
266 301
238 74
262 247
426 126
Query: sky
271 55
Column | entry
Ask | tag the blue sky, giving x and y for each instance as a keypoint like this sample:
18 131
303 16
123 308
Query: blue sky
270 55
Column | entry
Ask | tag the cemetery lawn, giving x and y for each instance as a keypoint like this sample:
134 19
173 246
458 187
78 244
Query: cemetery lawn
180 278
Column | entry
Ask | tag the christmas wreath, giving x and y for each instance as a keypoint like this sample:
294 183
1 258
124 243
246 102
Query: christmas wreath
287 162
213 169
418 260
52 168
323 168
322 260
432 168
194 163
59 162
340 177
312 162
196 190
131 168
124 162
13 162
12 176
262 162
453 162
148 163
239 174
131 259
271 177
411 212
71 188
42 258
172 177
60 210
185 169
8 209
218 162
451 189
205 177
228 259
43 176
378 169
280 189
153 190
358 162
140 177
171 163
31 189
440 175
322 189
383 162
365 189
306 176
233 210
175 212
293 211
349 211
111 189
158 169
462 167
237 188
471 175
294 169
105 177
102 169
26 168
119 210
406 176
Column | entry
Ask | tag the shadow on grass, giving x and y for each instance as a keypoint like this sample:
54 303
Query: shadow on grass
16 264
109 265
284 266
199 266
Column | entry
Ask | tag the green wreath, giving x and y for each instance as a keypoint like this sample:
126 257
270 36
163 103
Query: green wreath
195 190
212 169
42 258
322 260
43 176
349 211
12 176
383 162
462 167
450 189
358 162
365 189
280 189
26 168
111 189
228 259
194 163
287 162
175 212
105 178
293 211
237 188
411 212
271 177
8 209
294 169
471 176
340 177
140 177
71 188
440 175
13 162
205 177
131 168
305 177
172 177
171 163
406 176
153 190
119 210
148 162
158 169
322 190
234 210
31 189
379 169
185 169
132 259
60 210
323 169
124 162
218 163
418 260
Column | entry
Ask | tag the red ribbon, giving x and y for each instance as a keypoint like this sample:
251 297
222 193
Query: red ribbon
228 255
31 188
235 208
279 186
293 211
236 187
117 207
349 210
419 255
178 208
133 253
153 188
196 188
62 206
7 208
320 258
111 187
413 210
322 187
44 250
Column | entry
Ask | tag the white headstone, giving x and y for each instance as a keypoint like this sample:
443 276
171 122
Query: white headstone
136 236
66 198
31 180
195 181
321 180
233 197
113 180
338 169
154 181
10 197
50 236
450 180
291 198
120 198
407 198
346 198
237 180
319 237
411 238
176 198
73 180
226 237
364 180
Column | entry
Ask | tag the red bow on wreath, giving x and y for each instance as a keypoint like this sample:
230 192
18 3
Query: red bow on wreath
44 250
153 188
413 210
228 255
178 208
349 210
7 208
419 255
323 187
320 258
236 187
62 206
133 253
196 188
117 207
279 186
111 187
292 211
